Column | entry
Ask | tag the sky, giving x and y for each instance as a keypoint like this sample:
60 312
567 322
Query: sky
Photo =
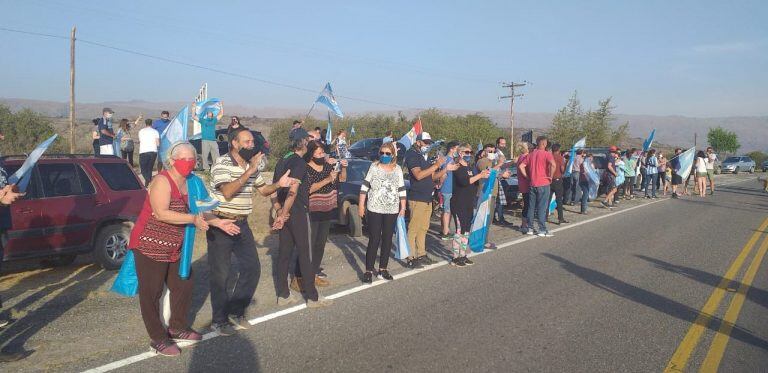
692 58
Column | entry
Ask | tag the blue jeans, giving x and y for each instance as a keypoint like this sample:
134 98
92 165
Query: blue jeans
538 200
575 191
649 183
584 186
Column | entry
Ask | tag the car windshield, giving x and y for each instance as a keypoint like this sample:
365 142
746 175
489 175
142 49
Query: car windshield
357 170
358 145
731 160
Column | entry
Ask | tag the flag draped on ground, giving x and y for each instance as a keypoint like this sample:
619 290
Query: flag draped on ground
410 138
649 141
482 218
401 243
176 131
22 175
686 162
199 201
578 145
593 178
326 98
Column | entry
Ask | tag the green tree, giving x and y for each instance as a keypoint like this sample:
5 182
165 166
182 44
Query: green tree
571 123
758 157
722 140
24 130
568 122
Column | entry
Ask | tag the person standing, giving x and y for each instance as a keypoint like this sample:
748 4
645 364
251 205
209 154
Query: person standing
652 174
523 186
295 127
557 182
323 178
208 145
584 181
340 145
125 135
7 197
539 167
446 190
609 178
293 224
677 180
95 136
711 161
630 168
574 193
384 190
701 173
149 140
160 125
463 204
235 178
488 160
106 133
156 241
422 176
662 184
234 123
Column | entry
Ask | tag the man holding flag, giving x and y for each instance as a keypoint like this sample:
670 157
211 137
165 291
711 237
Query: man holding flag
539 167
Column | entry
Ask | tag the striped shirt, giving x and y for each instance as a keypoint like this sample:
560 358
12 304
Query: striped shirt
226 170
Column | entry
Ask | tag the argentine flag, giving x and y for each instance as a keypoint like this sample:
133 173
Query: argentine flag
649 141
686 162
176 131
552 205
578 145
329 130
199 202
326 98
593 178
401 243
482 217
21 177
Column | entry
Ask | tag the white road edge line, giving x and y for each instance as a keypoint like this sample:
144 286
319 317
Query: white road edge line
262 319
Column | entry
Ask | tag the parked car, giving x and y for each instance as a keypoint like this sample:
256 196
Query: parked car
74 205
765 165
737 164
369 149
260 143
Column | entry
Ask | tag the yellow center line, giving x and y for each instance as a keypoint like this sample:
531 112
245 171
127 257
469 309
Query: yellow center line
717 348
683 352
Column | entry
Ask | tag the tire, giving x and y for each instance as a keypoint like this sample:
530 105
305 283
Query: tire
752 170
735 170
58 261
354 222
110 245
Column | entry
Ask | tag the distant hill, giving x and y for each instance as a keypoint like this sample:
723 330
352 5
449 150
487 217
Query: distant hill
674 130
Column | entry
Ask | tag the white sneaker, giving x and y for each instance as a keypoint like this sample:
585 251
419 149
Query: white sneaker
545 234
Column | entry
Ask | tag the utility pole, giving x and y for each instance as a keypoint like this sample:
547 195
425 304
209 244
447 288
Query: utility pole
511 97
72 92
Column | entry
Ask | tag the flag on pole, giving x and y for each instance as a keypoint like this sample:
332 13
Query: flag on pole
22 175
686 162
649 141
202 95
482 217
582 143
176 131
401 243
410 138
329 130
326 98
552 205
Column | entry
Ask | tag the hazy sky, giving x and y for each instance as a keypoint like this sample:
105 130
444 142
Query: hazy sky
696 58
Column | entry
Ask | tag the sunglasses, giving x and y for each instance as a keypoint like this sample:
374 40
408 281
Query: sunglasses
385 153
467 152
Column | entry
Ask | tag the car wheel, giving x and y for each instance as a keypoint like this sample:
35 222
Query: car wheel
354 222
735 170
752 170
58 261
111 245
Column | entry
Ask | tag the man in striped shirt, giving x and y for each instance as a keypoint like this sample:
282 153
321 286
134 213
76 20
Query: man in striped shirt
234 180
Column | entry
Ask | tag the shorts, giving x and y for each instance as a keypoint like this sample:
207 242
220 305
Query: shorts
446 203
676 179
610 181
710 174
702 174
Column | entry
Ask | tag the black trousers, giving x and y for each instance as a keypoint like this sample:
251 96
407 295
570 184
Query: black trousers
381 227
557 188
221 246
318 237
295 236
147 163
128 156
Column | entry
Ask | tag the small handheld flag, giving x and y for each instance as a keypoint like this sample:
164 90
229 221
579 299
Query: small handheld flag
176 131
22 175
326 98
649 141
582 143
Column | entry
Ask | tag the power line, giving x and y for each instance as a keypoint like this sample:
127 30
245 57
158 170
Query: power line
201 67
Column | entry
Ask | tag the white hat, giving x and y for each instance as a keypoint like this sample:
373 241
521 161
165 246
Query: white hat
424 136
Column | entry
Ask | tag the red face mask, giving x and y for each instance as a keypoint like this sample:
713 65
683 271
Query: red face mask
184 166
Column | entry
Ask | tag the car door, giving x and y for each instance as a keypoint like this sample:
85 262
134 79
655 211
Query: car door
26 231
73 211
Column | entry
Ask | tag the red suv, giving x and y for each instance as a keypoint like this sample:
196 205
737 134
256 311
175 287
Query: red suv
74 205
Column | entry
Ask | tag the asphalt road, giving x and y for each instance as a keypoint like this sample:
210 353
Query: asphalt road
615 295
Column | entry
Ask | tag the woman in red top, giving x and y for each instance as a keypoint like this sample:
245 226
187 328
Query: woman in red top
156 240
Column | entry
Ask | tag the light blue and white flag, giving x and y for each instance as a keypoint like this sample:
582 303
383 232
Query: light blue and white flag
326 98
352 130
401 243
578 145
199 202
686 162
593 178
176 131
22 175
482 217
552 205
329 130
649 141
211 105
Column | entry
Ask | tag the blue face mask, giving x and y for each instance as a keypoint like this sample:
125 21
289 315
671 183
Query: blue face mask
467 158
385 159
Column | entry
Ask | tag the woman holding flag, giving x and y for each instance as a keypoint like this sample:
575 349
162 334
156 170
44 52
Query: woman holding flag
156 241
465 181
384 190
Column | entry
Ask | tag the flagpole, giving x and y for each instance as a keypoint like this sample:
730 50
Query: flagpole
310 110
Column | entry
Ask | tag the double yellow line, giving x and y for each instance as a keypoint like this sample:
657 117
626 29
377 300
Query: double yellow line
692 338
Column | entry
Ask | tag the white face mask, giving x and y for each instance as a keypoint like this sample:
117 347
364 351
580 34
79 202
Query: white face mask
492 156
424 149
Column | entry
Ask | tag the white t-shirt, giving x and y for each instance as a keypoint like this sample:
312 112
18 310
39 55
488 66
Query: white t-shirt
711 159
701 165
148 137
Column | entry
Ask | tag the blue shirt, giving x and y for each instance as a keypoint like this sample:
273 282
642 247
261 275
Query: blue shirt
421 190
105 125
447 187
160 125
208 126
651 166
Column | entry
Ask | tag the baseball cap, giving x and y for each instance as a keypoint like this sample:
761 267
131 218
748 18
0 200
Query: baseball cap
613 149
107 110
424 136
298 134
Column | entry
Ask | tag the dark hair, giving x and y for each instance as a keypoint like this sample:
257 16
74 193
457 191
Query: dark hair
234 133
580 151
317 128
486 146
633 150
452 144
95 122
165 112
311 147
388 133
295 122
678 150
147 122
652 152
234 118
499 139
297 144
555 147
701 154
540 139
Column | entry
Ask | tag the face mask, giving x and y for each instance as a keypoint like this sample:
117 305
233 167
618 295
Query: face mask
108 115
319 160
467 158
246 153
424 149
492 156
184 166
385 159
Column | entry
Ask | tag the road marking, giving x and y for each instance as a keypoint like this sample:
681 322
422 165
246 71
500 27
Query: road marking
717 348
147 355
683 352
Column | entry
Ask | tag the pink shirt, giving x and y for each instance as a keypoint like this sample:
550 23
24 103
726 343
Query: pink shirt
522 181
537 167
